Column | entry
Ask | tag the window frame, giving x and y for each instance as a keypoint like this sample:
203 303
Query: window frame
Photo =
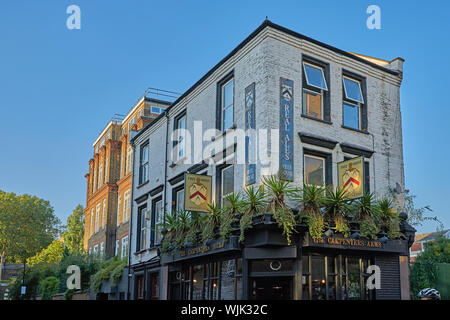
154 221
124 243
219 182
143 165
359 86
141 239
175 192
308 88
176 143
323 167
328 157
362 107
219 101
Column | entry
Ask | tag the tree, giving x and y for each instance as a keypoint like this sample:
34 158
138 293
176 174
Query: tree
52 254
74 235
49 287
27 225
423 271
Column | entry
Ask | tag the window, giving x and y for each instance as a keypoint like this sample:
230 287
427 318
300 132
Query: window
100 175
157 218
106 171
102 248
221 280
227 104
90 251
129 159
119 200
104 214
131 122
124 249
142 229
180 138
92 222
140 287
156 110
143 170
315 102
314 170
352 90
178 199
97 217
354 109
226 183
126 206
96 250
116 252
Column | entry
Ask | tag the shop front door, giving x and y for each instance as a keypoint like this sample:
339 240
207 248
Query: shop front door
270 288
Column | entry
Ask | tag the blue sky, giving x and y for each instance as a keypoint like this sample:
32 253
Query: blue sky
59 87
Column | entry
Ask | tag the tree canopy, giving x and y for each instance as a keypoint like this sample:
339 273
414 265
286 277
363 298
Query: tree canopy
74 235
27 225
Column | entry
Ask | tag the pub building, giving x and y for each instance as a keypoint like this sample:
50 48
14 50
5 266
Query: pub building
326 106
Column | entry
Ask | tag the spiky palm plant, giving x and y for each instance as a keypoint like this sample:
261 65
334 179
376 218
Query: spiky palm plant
211 221
194 224
170 225
337 208
254 202
389 218
278 190
234 206
310 200
367 212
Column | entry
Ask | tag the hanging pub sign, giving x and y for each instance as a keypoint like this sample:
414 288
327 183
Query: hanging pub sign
287 129
351 177
197 190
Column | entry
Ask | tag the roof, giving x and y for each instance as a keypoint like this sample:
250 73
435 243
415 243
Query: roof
265 24
429 236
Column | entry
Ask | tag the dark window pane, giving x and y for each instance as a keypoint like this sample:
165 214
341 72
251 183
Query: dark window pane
318 280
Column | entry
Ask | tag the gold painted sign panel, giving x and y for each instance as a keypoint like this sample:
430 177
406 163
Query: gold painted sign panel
197 190
351 177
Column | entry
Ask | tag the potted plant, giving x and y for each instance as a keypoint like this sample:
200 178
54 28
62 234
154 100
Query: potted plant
254 202
278 190
311 199
170 225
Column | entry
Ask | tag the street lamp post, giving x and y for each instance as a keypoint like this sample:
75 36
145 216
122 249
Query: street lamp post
23 288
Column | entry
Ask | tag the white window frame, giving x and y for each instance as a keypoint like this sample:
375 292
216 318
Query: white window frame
124 247
323 168
91 231
126 206
104 214
97 218
179 206
116 249
102 248
95 250
100 176
129 159
181 138
119 201
144 164
360 89
315 67
159 217
222 102
143 230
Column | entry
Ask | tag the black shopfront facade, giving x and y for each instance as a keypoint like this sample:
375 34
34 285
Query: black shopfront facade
264 267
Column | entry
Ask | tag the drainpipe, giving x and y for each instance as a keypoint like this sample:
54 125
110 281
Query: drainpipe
130 228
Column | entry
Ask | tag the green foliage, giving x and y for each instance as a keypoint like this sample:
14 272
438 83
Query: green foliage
195 225
229 214
311 199
74 235
368 229
52 254
254 202
389 219
211 221
69 294
278 190
337 209
27 225
423 270
110 270
49 287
